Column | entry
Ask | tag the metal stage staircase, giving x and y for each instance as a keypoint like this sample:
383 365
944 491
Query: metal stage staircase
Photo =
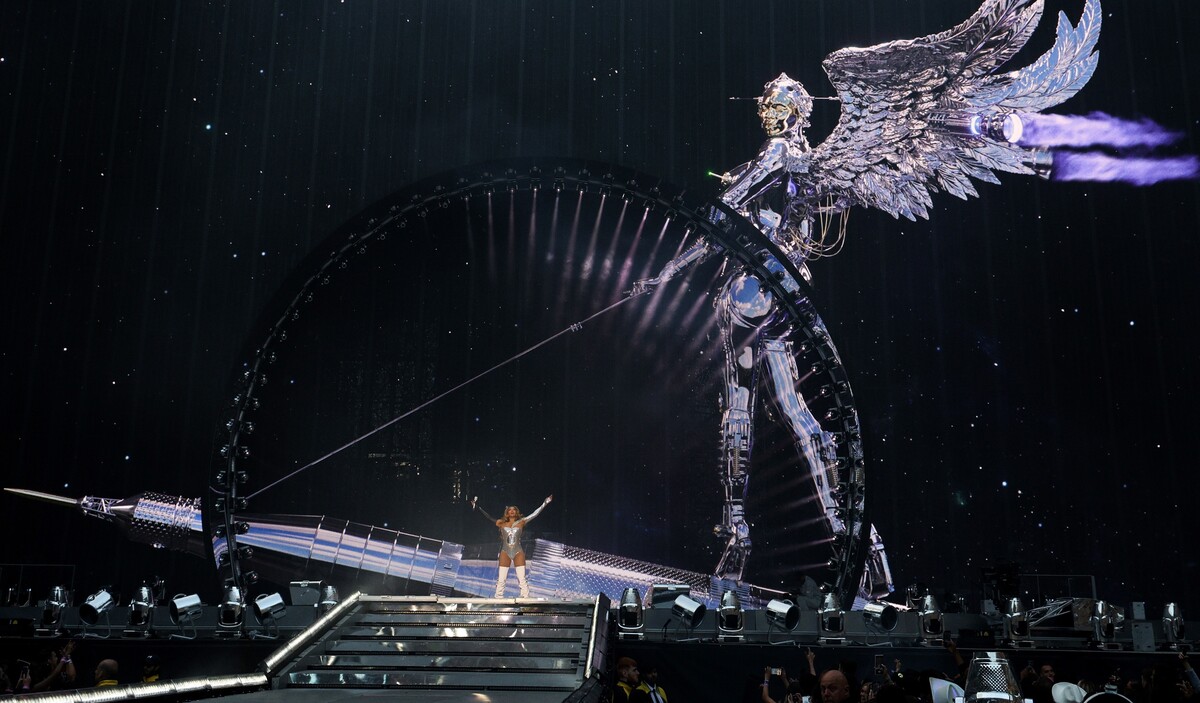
518 649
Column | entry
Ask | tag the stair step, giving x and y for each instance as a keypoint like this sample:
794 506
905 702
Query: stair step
526 648
418 661
455 646
479 607
430 679
476 618
484 633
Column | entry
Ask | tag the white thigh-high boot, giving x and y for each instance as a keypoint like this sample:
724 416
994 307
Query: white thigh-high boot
521 580
500 579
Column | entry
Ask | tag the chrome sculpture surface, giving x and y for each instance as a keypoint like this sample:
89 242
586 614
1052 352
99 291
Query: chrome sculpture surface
917 117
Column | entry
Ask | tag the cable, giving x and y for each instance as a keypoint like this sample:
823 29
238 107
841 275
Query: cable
575 327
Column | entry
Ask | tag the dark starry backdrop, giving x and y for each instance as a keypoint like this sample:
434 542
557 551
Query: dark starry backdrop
1025 363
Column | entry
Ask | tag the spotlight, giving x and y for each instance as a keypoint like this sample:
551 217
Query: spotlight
730 618
930 617
689 611
990 679
268 608
51 614
269 605
882 615
141 612
1173 626
914 593
1107 619
96 605
783 614
1016 623
158 590
185 610
832 619
329 598
52 610
232 611
629 615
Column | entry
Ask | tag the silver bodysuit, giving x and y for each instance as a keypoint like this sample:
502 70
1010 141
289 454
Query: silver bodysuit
510 537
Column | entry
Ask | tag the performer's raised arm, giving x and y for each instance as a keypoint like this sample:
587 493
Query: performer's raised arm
537 512
474 506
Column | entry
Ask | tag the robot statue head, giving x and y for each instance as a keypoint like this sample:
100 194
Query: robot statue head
784 106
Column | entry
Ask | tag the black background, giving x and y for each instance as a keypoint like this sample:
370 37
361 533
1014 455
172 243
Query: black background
1023 363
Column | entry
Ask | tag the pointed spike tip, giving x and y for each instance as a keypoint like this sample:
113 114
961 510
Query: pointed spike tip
45 497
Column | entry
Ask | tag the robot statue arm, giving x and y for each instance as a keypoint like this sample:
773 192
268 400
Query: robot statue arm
734 173
695 254
751 180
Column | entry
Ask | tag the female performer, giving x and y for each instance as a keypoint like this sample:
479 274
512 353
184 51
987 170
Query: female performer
511 552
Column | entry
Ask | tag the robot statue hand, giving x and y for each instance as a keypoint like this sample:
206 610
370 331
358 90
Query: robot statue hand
734 558
643 286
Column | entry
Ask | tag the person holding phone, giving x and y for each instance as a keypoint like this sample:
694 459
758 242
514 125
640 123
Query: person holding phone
790 691
60 670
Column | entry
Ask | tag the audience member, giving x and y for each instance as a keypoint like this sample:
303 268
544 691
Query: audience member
867 691
1164 684
106 673
1191 682
960 663
790 690
1036 684
890 693
150 669
834 686
649 690
59 670
627 680
1138 690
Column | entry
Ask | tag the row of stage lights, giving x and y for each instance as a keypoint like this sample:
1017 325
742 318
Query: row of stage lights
184 609
784 615
1105 618
781 614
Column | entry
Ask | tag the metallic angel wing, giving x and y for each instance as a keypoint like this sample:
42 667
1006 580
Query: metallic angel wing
929 114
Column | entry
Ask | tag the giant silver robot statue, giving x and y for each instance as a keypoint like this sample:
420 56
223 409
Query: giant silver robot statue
917 117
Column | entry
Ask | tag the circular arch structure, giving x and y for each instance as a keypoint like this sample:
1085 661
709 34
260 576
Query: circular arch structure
742 245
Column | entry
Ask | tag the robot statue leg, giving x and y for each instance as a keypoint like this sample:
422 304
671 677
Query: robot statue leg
814 444
737 422
817 450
